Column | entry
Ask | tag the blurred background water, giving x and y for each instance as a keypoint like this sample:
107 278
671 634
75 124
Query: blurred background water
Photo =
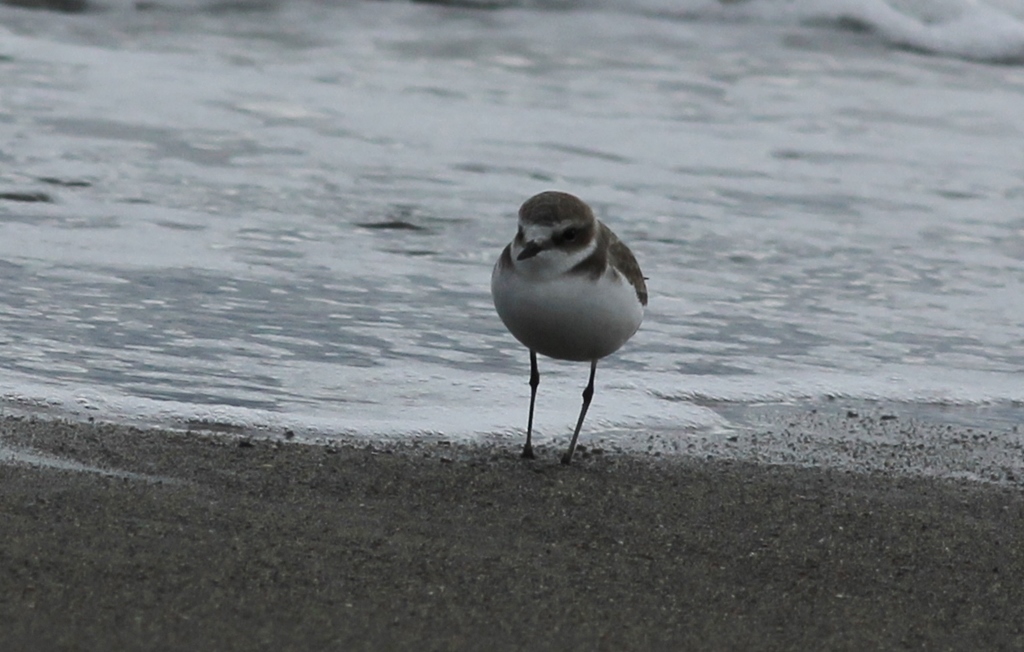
284 214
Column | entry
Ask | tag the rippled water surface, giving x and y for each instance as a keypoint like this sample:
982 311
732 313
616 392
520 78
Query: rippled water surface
287 215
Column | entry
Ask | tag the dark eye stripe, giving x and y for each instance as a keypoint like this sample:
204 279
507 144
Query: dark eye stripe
570 235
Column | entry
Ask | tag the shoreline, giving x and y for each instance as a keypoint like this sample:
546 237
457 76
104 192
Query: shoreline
255 544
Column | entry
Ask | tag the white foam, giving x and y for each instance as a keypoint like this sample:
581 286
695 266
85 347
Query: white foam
973 30
461 407
984 30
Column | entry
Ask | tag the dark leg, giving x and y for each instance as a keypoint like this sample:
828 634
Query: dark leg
534 381
588 394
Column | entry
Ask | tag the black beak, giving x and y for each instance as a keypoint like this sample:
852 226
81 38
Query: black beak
530 249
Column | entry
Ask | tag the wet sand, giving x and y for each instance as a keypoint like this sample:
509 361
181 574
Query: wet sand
218 543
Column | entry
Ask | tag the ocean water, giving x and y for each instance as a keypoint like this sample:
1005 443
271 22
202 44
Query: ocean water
275 216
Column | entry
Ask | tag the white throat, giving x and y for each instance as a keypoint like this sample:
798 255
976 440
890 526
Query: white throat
551 262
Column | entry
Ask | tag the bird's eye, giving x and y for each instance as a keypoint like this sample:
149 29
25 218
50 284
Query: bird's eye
570 234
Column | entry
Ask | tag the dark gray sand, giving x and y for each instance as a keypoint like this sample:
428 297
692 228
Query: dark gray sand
265 545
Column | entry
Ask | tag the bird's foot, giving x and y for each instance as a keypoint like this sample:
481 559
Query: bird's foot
527 453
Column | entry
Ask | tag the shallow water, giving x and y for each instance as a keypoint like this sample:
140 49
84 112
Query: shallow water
286 217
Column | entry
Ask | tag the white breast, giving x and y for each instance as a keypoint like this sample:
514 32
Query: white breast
568 316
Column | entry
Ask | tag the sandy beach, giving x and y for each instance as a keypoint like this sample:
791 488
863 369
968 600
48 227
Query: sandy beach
212 542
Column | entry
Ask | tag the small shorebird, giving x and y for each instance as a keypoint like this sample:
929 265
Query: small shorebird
567 288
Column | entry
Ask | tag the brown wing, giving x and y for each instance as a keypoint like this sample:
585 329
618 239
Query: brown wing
619 255
623 259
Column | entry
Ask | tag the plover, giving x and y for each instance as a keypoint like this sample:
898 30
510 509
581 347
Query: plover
567 288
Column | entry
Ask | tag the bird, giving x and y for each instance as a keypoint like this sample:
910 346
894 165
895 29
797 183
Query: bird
567 288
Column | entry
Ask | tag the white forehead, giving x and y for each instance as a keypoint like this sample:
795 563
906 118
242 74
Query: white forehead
533 231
